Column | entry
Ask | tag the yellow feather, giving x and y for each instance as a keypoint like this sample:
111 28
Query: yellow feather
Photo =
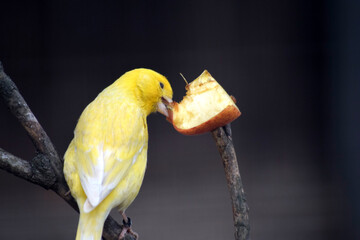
106 160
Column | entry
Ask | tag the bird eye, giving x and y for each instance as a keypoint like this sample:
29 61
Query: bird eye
161 85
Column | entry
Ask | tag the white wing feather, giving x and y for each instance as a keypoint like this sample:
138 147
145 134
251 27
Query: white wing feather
97 186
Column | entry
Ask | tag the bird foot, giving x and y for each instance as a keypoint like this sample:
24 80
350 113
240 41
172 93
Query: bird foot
127 229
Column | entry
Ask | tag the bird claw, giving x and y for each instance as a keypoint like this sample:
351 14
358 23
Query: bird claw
127 223
127 229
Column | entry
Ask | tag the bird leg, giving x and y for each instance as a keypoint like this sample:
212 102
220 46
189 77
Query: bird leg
127 227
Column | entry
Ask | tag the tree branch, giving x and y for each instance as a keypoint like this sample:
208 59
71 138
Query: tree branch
15 165
223 140
46 168
22 112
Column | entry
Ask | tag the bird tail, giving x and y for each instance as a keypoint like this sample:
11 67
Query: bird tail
90 225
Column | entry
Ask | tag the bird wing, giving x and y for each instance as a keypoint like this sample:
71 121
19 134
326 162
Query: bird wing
106 146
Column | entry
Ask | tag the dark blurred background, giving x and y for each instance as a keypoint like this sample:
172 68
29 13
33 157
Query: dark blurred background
292 65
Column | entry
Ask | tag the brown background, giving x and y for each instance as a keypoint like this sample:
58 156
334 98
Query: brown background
292 65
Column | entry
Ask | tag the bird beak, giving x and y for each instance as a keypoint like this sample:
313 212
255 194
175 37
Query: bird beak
164 105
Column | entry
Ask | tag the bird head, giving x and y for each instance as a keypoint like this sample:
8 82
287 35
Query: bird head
151 89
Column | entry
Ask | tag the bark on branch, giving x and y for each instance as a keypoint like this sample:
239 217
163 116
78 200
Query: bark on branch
46 168
223 140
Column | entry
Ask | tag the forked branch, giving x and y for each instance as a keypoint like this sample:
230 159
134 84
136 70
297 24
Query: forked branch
46 168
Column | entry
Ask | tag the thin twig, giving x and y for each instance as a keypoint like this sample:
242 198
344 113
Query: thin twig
46 168
223 140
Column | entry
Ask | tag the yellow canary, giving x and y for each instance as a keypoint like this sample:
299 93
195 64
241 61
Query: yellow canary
106 160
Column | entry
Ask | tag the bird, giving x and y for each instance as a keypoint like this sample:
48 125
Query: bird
104 164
